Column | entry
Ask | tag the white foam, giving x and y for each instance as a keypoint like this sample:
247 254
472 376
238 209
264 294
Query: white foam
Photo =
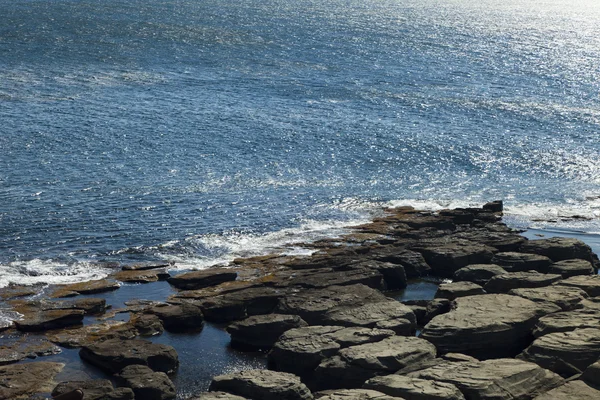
38 271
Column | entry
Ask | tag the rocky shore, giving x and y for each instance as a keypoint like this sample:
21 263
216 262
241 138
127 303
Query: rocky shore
513 319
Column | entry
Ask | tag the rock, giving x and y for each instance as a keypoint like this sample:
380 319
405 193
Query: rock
453 290
589 284
478 273
90 334
566 353
262 331
89 305
458 357
515 280
142 276
90 287
574 390
500 379
569 268
19 381
325 277
447 257
240 304
217 396
301 350
521 262
496 206
394 275
26 348
567 298
413 262
51 319
144 266
178 317
500 240
113 355
559 248
97 389
591 375
352 394
414 388
436 307
262 384
203 278
566 322
385 315
484 326
352 366
146 384
147 324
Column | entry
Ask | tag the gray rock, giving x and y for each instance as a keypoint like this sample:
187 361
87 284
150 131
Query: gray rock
500 379
413 262
204 278
453 290
21 380
325 277
574 390
262 331
436 307
394 275
142 276
414 388
484 326
559 248
569 268
478 273
591 375
566 353
262 384
515 280
566 298
147 324
178 317
447 257
145 383
89 287
240 304
96 389
217 396
496 206
352 366
51 319
19 350
589 284
115 354
352 394
567 321
389 314
521 262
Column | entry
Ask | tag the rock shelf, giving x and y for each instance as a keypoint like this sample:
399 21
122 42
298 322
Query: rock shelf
519 320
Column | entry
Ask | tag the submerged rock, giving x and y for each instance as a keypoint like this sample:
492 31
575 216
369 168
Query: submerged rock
262 384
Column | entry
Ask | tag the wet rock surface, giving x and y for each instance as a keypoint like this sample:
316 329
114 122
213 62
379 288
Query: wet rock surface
145 383
97 389
19 381
262 331
262 384
203 278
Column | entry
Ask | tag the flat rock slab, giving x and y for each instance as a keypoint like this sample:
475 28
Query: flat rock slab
353 394
413 262
445 258
27 348
484 326
146 384
390 314
51 319
453 290
145 266
574 390
114 355
324 277
218 396
500 379
89 334
18 381
178 317
589 284
516 280
262 384
301 350
592 374
262 331
414 388
566 298
503 241
479 273
142 276
566 353
569 268
204 278
521 262
558 248
352 366
90 287
94 389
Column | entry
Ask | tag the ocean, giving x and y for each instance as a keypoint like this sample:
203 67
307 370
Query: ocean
194 132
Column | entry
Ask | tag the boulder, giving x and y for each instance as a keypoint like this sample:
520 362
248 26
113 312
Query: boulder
262 331
564 297
51 319
414 388
559 248
19 381
447 257
591 375
484 326
394 275
145 383
204 278
113 355
178 317
515 280
352 366
496 206
96 389
352 394
521 262
142 276
566 353
500 379
567 321
240 304
574 390
589 284
262 384
569 268
478 273
436 307
453 290
147 324
413 262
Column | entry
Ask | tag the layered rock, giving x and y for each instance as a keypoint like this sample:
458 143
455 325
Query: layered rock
19 381
564 297
414 388
145 383
262 384
515 280
353 394
96 389
204 278
479 273
567 321
521 262
558 248
569 268
262 331
447 257
589 284
453 290
574 390
178 317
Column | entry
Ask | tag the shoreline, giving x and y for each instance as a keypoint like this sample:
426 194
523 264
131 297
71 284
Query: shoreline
367 256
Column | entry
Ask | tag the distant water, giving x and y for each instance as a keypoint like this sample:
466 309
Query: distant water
195 131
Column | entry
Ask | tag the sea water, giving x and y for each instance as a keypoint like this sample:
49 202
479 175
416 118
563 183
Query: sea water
193 132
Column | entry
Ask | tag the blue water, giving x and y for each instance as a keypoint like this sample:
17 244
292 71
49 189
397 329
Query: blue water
195 131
